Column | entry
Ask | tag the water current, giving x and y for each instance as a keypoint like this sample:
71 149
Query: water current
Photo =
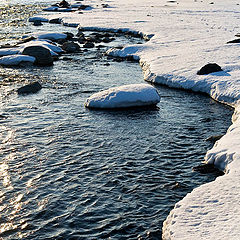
70 173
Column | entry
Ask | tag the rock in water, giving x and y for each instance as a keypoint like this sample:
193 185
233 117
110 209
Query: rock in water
207 168
209 68
37 23
126 96
42 55
30 88
70 47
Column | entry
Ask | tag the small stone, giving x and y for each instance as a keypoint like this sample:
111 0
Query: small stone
214 138
55 20
70 47
209 68
88 45
30 88
37 23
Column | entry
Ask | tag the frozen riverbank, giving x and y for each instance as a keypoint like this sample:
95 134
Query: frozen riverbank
187 35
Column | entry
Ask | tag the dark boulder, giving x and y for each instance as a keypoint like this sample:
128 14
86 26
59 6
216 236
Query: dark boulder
209 68
70 47
30 88
42 55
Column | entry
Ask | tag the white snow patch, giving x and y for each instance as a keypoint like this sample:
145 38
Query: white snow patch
14 60
133 95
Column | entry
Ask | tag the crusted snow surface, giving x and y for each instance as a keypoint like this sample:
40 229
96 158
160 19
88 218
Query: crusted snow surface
132 95
187 34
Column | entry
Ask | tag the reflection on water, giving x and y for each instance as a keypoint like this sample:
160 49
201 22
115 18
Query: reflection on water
70 173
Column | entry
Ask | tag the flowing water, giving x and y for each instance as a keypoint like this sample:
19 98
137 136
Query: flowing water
70 173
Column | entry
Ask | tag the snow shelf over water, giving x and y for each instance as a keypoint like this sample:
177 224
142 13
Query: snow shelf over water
187 35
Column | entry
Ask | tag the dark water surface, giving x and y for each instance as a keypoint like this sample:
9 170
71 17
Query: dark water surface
70 173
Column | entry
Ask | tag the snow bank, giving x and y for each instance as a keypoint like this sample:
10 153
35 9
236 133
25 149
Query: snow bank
187 35
133 95
14 60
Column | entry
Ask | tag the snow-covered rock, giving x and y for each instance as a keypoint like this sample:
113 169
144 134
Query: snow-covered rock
53 36
14 60
133 95
41 19
9 51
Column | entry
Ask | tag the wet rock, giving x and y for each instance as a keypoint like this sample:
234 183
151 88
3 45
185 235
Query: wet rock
235 41
30 88
82 40
69 35
207 168
209 68
214 138
64 4
89 45
3 117
70 47
42 55
55 20
83 7
37 23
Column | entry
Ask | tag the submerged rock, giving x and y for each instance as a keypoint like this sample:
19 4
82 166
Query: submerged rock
126 96
43 55
30 88
209 68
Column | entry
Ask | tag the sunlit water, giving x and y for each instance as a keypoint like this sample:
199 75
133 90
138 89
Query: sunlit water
70 173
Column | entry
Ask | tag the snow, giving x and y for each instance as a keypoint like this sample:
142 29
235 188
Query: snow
14 60
8 51
43 43
187 35
132 95
53 36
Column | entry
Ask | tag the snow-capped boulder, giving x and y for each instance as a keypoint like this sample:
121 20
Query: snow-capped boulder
48 35
42 55
33 19
133 95
16 59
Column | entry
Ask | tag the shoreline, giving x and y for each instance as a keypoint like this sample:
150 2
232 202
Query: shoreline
187 220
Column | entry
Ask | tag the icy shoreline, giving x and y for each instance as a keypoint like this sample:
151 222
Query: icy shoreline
187 35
